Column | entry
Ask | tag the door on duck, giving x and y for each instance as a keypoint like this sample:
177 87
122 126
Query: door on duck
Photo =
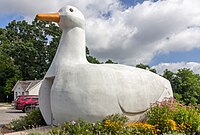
45 100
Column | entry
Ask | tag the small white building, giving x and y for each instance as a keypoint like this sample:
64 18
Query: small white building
29 87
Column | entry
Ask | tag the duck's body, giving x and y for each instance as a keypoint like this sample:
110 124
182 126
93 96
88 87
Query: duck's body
92 91
74 88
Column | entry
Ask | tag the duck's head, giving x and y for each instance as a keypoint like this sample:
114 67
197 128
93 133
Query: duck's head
67 17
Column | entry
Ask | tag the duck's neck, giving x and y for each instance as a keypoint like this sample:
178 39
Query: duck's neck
72 47
71 50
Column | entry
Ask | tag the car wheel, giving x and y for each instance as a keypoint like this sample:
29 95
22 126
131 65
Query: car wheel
27 108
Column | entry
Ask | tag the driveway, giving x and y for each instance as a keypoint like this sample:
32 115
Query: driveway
7 114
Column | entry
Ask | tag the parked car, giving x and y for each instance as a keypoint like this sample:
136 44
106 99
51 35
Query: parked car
26 102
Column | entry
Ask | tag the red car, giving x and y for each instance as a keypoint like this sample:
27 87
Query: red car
26 102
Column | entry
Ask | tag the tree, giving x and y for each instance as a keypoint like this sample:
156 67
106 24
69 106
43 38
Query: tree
9 74
94 60
143 66
109 61
26 51
31 46
90 58
185 85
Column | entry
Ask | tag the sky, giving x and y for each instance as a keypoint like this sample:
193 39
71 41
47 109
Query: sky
160 33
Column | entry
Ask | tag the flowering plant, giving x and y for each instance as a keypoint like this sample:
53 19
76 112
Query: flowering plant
170 116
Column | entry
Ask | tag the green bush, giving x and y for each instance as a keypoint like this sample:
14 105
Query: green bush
141 128
73 128
112 125
167 117
170 117
31 120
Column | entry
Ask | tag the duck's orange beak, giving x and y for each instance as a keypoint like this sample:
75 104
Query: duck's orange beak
55 17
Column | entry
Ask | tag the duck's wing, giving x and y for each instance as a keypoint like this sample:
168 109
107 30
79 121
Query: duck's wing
44 99
141 89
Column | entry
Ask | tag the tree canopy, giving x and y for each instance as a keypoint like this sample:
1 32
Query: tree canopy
30 46
9 74
147 67
185 85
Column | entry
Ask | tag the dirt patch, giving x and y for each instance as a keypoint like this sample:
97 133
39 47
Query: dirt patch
3 105
5 129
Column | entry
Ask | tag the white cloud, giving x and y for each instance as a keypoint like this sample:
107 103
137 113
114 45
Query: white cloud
131 36
194 66
150 24
185 40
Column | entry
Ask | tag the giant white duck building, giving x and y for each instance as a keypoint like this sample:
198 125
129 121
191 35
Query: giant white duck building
73 88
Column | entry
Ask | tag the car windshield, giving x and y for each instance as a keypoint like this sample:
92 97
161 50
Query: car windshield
26 98
16 98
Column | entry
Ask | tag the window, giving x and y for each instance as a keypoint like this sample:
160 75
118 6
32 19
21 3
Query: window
35 98
26 98
22 93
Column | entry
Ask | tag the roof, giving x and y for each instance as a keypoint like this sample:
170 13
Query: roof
26 85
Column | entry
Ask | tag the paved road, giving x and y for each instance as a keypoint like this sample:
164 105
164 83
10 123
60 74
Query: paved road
7 114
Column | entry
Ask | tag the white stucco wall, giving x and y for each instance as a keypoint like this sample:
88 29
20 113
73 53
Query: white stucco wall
35 89
18 91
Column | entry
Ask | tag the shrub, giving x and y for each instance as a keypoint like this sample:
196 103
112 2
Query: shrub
142 128
31 120
167 117
112 125
170 116
73 128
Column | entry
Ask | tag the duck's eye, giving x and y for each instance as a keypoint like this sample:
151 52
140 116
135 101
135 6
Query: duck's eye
71 10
